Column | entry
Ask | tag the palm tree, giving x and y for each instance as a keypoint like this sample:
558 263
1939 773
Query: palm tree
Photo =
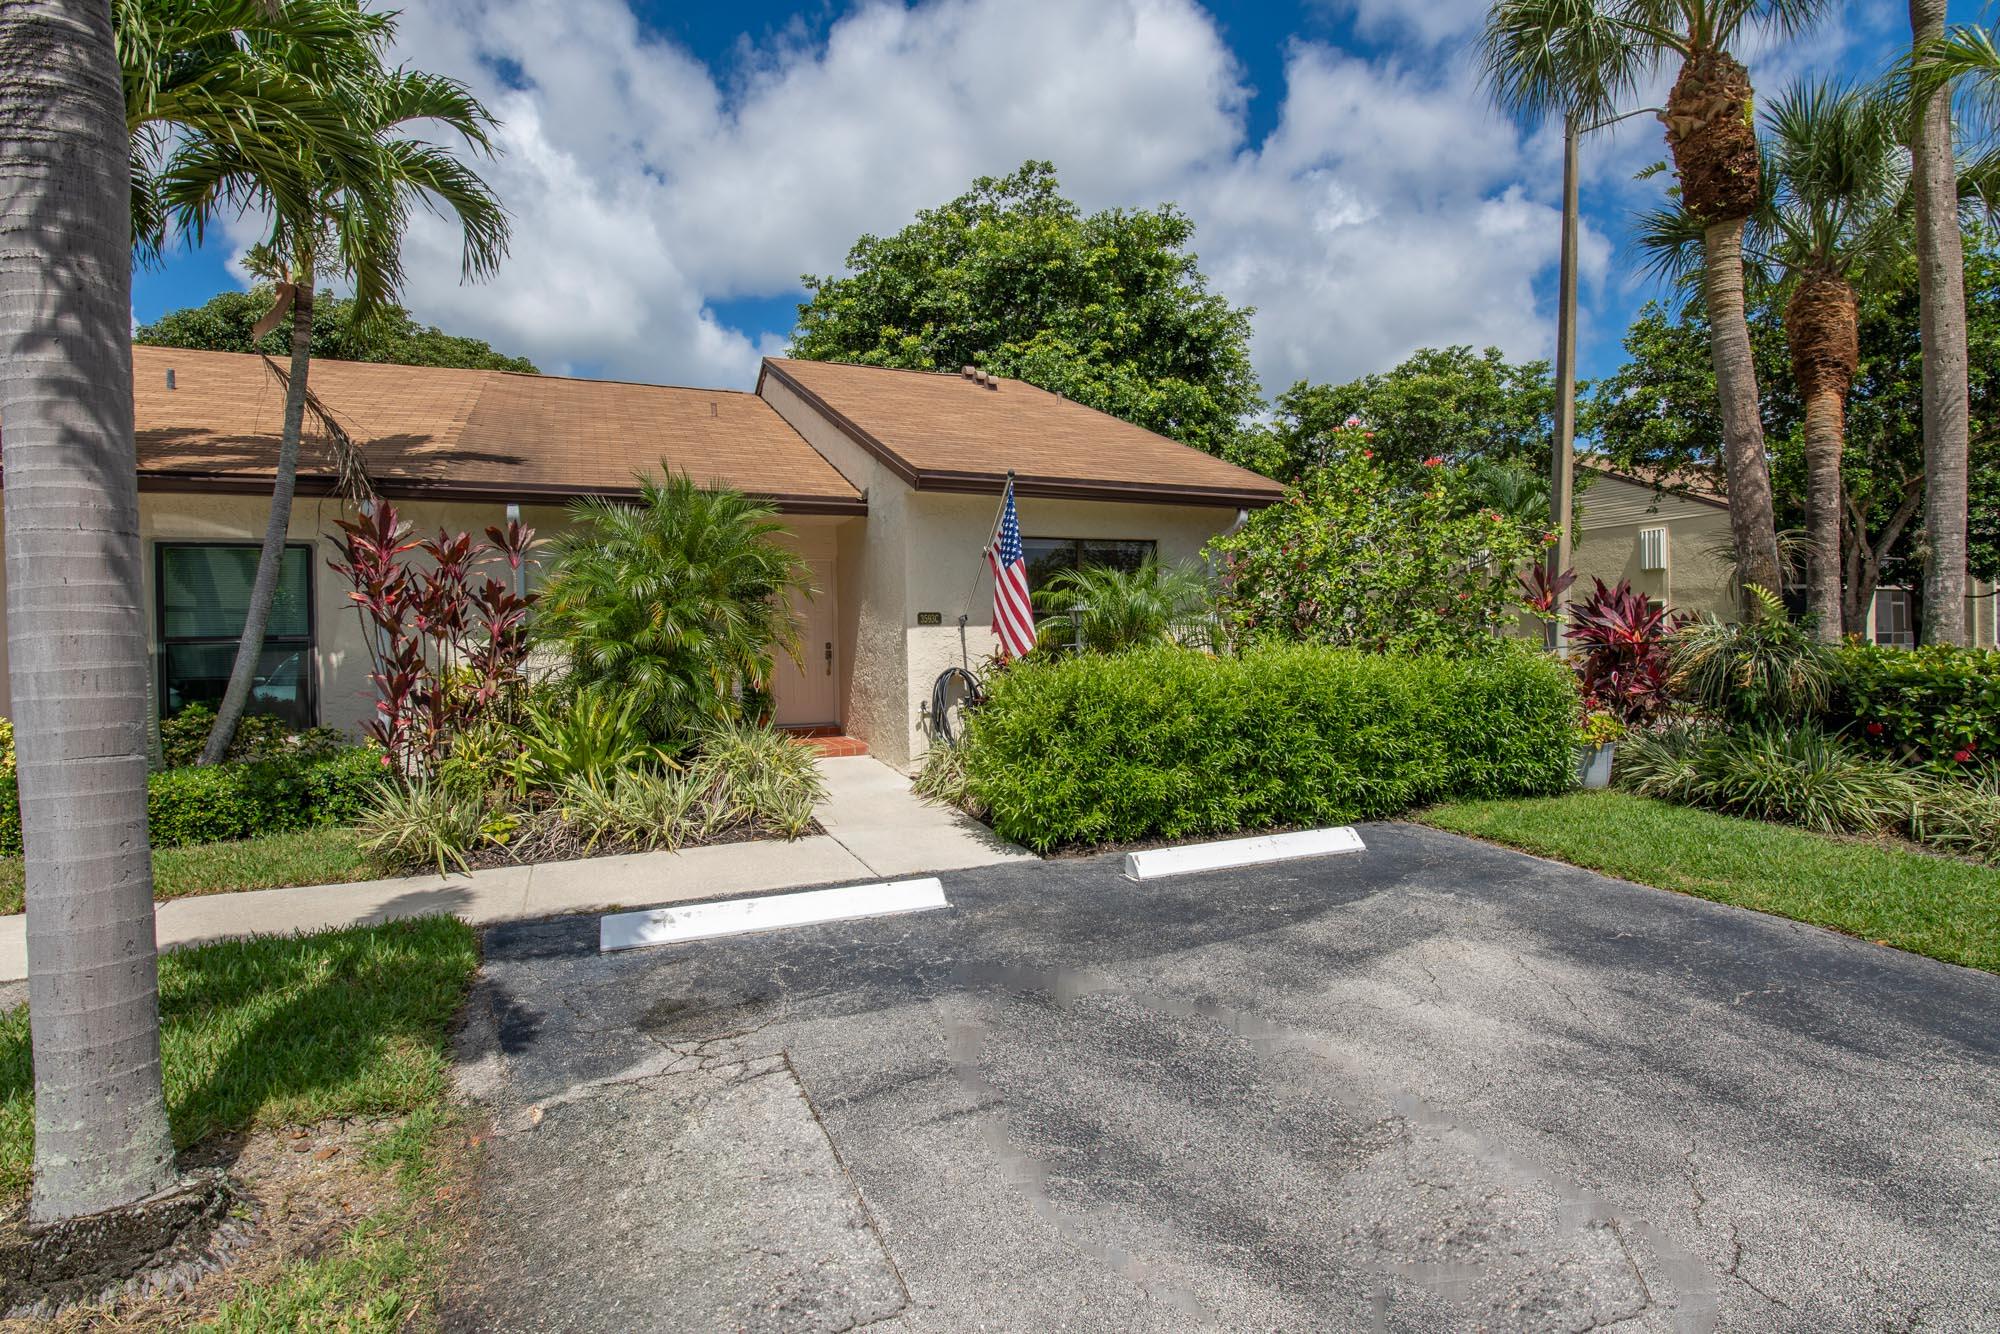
332 215
1938 62
1713 139
75 621
1840 182
1111 610
679 600
1571 58
189 69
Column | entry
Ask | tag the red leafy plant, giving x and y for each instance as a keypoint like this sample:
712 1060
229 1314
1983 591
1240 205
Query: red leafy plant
1624 641
1541 592
447 642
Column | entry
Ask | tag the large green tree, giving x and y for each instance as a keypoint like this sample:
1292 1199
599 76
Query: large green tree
223 323
1110 309
335 215
1450 403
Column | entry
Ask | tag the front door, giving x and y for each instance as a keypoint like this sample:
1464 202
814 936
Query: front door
811 697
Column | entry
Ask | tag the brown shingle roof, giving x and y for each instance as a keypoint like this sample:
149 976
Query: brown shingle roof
427 431
943 432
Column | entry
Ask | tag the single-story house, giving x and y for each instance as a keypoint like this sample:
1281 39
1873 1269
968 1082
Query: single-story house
1670 542
888 482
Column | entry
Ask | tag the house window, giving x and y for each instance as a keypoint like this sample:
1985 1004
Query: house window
1895 624
203 592
1048 555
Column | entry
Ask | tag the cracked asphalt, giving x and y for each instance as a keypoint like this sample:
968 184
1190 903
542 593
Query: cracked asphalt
1433 1085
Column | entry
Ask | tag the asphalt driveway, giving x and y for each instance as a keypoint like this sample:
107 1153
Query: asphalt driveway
1433 1085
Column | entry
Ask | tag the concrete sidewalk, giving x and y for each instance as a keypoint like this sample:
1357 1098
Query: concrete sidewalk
874 827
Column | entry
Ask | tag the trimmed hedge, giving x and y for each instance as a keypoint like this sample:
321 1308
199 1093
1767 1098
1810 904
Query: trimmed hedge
1168 743
1929 706
231 801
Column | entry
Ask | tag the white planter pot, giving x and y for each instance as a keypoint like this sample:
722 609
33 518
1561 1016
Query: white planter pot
1593 767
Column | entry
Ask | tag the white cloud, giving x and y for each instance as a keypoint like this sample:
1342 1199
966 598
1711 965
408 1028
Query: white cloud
1389 209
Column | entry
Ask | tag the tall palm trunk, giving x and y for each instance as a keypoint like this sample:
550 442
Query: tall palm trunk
271 559
76 626
1823 329
1941 291
1752 524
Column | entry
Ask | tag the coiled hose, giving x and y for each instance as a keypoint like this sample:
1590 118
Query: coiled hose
970 696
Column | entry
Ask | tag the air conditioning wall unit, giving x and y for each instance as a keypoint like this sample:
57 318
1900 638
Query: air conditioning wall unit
1652 548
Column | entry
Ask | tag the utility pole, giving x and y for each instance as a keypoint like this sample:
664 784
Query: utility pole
1562 458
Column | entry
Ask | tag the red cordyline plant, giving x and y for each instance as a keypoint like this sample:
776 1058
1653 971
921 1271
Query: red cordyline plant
1541 591
1623 638
448 643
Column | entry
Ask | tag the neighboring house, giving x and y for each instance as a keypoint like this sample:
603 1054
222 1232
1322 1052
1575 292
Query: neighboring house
888 482
1669 544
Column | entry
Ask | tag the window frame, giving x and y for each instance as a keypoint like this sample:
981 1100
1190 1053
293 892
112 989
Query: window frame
1152 544
309 642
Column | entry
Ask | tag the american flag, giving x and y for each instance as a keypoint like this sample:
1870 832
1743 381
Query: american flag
1013 614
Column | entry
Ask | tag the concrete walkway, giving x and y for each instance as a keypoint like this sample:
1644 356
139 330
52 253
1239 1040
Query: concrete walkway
874 827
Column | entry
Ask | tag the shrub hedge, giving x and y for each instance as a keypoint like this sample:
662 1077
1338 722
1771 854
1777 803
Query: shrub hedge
1167 743
1938 706
230 801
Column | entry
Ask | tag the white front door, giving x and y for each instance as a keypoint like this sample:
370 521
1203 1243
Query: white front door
811 697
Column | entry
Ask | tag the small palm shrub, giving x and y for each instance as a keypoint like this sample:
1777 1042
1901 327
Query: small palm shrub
1126 609
1622 640
1764 673
674 602
1803 775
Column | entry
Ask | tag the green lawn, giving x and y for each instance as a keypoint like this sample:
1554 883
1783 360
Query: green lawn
1914 901
309 857
289 1031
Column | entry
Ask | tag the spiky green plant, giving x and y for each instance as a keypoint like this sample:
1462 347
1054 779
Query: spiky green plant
1767 671
423 823
591 735
674 601
1126 609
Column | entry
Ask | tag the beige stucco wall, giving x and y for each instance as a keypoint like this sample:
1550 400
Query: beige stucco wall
948 574
920 551
1607 548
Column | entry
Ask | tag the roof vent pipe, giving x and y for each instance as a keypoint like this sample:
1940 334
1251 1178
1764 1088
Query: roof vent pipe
992 382
968 372
170 377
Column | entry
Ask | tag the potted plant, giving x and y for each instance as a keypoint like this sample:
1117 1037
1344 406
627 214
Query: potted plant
1596 740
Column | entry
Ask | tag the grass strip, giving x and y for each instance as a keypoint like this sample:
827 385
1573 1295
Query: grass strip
1926 904
308 857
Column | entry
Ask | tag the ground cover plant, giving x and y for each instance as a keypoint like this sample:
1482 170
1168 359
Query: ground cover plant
1171 743
1915 901
277 1032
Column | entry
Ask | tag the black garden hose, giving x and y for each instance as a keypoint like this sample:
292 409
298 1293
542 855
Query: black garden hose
971 695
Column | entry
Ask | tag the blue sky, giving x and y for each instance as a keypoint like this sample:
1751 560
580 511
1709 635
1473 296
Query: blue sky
673 168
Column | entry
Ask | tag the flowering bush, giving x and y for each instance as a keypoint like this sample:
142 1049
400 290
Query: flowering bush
1624 643
1938 706
1351 557
447 641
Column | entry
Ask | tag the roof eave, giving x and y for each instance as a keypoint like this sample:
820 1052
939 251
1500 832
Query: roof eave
470 492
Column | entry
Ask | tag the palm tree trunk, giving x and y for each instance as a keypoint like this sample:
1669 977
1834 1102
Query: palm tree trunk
271 559
1752 526
1826 432
76 625
1941 290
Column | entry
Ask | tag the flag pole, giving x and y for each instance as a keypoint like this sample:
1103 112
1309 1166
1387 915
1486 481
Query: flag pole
998 511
